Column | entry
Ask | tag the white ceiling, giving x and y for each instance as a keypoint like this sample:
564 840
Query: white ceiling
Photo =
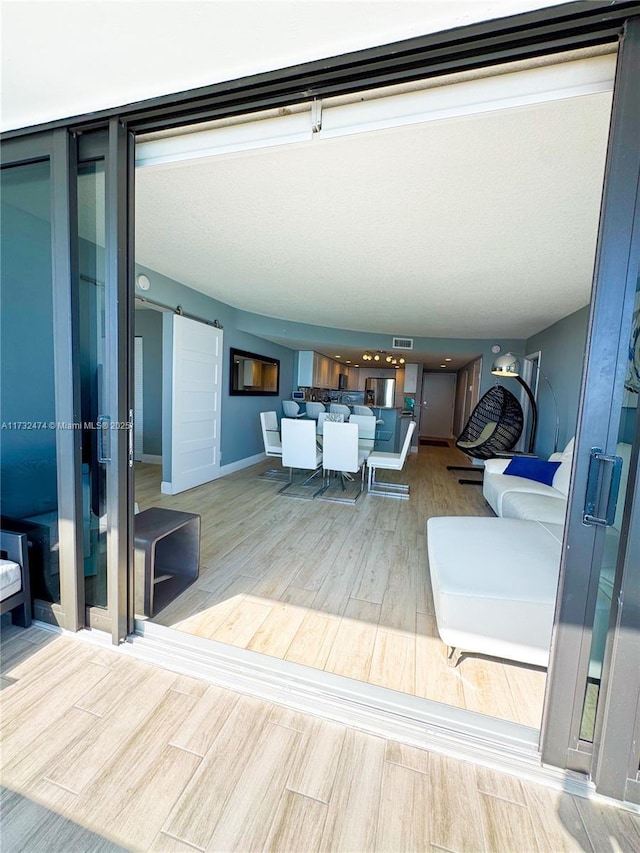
106 53
480 226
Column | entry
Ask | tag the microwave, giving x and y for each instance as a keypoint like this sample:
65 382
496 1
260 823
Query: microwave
298 395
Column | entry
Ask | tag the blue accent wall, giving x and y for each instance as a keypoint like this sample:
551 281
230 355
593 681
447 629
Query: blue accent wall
148 326
468 347
240 434
563 348
240 426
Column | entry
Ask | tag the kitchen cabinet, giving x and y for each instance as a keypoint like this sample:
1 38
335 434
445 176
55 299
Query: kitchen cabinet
321 371
305 368
353 375
317 371
410 379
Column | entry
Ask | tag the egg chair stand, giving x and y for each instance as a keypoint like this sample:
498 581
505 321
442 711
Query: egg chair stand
494 427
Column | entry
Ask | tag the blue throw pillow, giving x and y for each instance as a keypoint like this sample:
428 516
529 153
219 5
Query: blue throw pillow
533 469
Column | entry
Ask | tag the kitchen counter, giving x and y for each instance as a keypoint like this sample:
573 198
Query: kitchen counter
387 433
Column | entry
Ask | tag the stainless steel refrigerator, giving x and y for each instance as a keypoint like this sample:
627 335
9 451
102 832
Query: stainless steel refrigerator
380 392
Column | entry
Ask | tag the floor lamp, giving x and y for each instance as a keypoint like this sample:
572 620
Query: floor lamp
507 366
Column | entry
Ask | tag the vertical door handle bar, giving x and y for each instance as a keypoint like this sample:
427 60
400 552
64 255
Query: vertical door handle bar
597 457
130 427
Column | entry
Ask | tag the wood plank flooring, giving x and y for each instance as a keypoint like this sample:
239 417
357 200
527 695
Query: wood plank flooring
104 753
343 588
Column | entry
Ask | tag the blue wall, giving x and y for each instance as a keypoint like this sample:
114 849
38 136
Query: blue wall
563 347
240 428
471 348
148 326
241 436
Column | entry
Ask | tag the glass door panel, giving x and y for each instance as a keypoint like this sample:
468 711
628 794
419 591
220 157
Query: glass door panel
586 645
102 360
28 452
609 555
96 434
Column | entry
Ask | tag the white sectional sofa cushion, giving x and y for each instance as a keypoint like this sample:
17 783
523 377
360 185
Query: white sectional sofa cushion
10 579
531 505
519 497
494 584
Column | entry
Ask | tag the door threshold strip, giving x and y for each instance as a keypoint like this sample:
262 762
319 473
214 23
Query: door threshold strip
465 735
500 745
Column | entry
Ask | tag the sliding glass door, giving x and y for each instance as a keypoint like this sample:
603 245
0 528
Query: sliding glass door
592 617
103 359
40 492
66 426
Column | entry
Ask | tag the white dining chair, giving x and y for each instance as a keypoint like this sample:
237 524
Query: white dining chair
366 431
327 416
314 409
341 454
300 450
340 409
389 462
366 410
272 445
291 409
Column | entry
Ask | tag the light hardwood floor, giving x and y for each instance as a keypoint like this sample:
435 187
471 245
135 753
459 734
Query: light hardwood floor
102 753
342 588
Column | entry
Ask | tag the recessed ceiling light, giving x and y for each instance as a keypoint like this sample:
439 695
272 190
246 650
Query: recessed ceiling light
347 361
443 365
447 359
337 356
356 365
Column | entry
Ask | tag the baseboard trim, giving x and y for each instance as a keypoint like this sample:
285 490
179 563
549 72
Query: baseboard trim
464 735
151 459
247 462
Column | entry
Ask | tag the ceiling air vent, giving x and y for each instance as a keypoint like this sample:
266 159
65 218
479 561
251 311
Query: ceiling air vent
403 343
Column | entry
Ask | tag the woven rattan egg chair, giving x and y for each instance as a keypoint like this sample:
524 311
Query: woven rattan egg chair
494 427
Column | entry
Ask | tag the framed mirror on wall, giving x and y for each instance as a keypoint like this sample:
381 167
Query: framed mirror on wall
253 375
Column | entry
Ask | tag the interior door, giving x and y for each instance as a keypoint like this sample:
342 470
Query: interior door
437 404
193 400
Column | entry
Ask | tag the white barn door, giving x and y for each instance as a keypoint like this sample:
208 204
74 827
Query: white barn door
196 377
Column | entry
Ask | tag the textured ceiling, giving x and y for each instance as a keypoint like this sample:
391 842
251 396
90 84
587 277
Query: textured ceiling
481 226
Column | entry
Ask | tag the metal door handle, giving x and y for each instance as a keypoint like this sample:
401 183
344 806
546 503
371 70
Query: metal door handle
130 427
103 425
592 494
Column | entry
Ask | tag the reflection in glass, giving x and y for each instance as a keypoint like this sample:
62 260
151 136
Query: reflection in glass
91 232
28 460
628 416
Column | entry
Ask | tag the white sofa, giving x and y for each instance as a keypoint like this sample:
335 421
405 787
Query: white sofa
494 583
519 497
495 580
